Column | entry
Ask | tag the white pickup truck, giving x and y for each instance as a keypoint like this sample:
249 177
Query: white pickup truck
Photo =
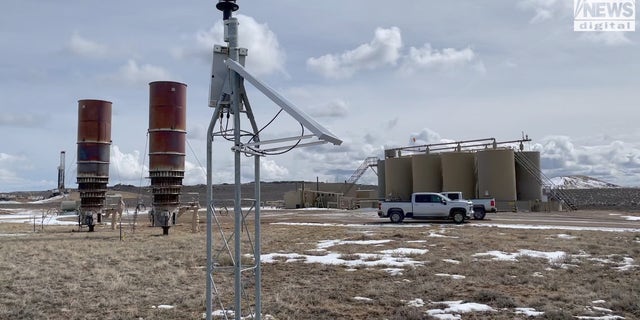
480 206
426 205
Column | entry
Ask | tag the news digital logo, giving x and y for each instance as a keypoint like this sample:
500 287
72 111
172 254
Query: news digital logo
604 15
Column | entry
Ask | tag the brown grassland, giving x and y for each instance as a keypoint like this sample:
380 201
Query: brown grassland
60 273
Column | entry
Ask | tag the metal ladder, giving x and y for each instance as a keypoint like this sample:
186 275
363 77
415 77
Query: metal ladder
543 179
368 162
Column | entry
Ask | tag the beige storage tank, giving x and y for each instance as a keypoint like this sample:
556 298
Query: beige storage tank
496 174
458 173
382 189
528 182
398 180
427 173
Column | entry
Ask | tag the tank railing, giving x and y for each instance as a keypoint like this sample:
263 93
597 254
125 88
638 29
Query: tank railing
543 179
460 145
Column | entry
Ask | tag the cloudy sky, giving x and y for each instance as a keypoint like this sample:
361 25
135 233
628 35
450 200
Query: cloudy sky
377 76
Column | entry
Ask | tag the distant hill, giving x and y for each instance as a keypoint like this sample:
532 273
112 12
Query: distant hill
581 182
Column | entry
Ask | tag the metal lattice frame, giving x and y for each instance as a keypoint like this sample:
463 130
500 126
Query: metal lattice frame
228 95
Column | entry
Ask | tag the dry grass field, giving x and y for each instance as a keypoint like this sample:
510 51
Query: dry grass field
372 270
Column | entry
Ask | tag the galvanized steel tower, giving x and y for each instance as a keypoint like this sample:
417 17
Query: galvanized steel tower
228 97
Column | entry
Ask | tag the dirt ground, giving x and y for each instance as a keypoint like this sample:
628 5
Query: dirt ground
63 272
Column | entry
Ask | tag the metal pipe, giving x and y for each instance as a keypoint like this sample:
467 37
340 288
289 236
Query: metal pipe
232 32
209 214
258 247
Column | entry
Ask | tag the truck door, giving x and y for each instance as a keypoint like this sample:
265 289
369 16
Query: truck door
422 205
439 206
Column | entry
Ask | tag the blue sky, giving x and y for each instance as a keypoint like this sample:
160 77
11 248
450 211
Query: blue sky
375 75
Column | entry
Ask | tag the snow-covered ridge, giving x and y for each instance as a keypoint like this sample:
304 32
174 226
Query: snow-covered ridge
581 182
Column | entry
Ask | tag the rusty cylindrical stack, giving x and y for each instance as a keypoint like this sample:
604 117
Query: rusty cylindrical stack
94 142
167 136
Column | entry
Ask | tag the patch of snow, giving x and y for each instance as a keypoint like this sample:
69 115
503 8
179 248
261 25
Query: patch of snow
28 217
52 199
404 251
393 271
335 259
451 261
12 234
325 244
601 309
601 260
542 227
626 265
438 235
631 218
446 316
417 241
415 303
600 318
468 307
362 299
456 308
598 301
537 275
566 236
393 258
350 225
529 312
503 256
452 276
220 313
164 306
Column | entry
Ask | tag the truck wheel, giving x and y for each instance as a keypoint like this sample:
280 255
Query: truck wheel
396 216
458 217
479 214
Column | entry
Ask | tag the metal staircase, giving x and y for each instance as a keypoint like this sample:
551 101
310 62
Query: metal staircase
367 163
556 191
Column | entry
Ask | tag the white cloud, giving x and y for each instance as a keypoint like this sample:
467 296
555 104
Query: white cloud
265 55
445 59
541 15
194 174
134 74
613 161
426 136
21 120
606 38
271 170
545 9
7 171
333 109
127 168
86 48
12 170
384 49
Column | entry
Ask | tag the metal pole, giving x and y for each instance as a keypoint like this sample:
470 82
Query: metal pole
232 27
257 248
210 214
